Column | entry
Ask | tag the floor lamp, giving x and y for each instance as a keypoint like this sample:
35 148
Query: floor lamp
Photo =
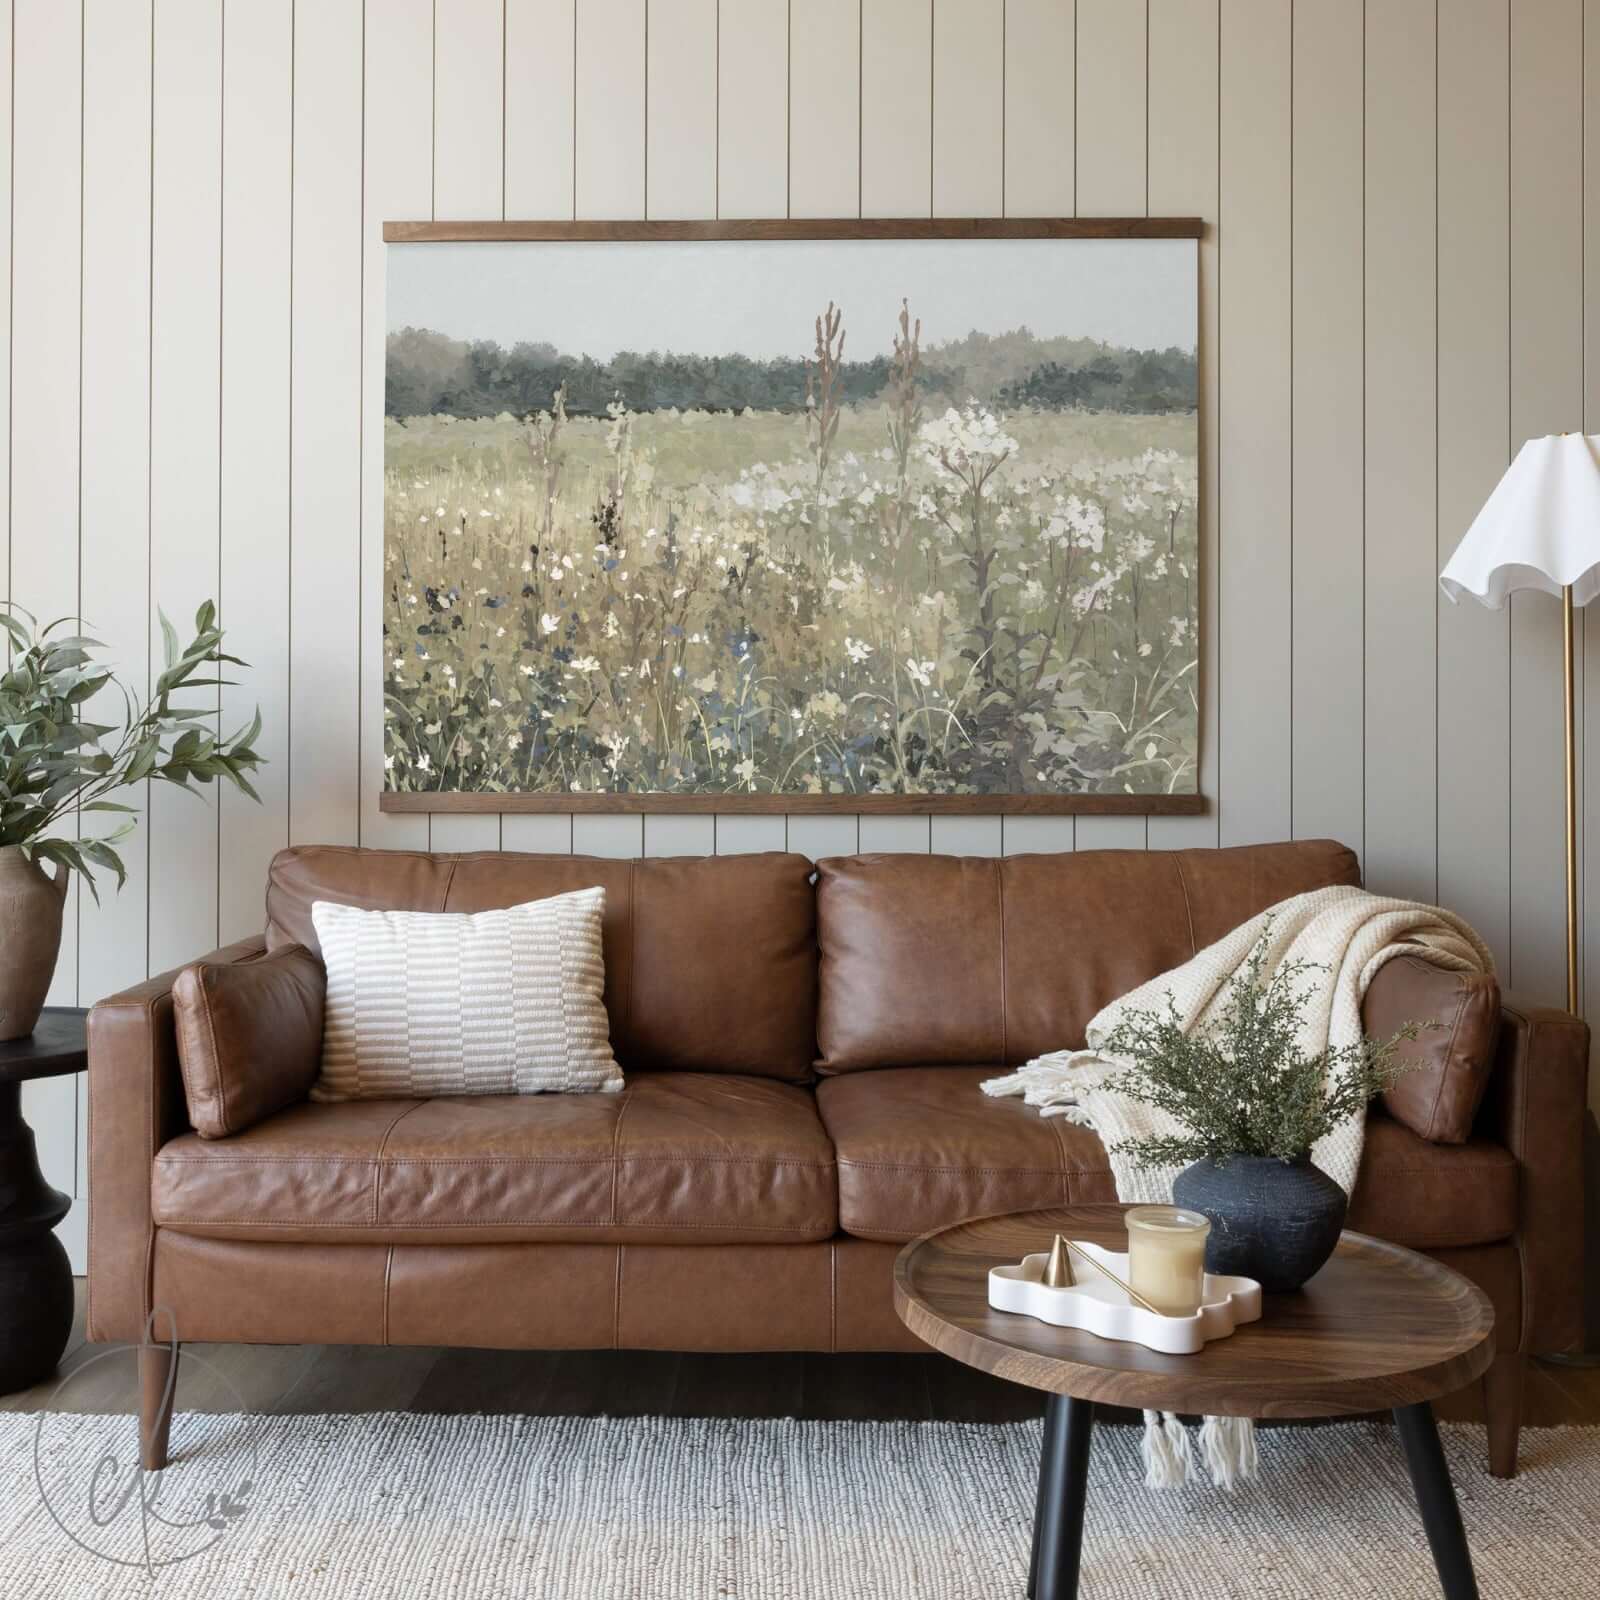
1540 529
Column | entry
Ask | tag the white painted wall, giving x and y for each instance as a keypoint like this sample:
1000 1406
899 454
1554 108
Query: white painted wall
1396 281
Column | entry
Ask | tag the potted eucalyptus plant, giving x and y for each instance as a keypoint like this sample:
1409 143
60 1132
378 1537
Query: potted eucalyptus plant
57 766
1251 1103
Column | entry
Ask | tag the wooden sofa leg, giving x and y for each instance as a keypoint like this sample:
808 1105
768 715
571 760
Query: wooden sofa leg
158 1386
1502 1404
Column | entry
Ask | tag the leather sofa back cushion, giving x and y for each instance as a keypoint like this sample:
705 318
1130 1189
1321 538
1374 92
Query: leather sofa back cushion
249 1037
710 961
1438 1100
940 960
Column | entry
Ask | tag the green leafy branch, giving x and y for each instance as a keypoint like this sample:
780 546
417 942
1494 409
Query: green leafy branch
54 761
1241 1084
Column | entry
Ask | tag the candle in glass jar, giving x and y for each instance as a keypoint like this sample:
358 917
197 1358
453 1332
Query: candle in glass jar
1167 1257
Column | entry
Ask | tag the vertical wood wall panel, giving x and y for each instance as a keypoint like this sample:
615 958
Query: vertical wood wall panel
1039 107
969 180
824 836
253 591
1111 105
114 530
896 181
743 835
397 181
1183 113
46 265
681 82
539 107
1112 180
185 430
468 153
325 426
539 178
1474 735
681 116
969 118
116 415
1401 504
1327 463
896 108
1546 397
825 111
469 73
752 108
1254 352
609 80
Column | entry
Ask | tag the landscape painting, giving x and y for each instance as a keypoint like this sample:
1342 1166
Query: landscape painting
786 523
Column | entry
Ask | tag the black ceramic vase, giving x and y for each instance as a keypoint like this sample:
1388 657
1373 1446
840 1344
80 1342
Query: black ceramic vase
1274 1221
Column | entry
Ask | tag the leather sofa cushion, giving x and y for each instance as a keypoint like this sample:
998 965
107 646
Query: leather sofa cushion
1433 1196
922 1147
249 1037
710 961
930 960
692 1158
1439 1098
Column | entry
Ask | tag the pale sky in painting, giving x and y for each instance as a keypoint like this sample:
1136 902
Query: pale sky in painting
759 298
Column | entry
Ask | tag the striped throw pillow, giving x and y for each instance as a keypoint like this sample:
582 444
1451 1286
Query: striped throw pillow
445 1003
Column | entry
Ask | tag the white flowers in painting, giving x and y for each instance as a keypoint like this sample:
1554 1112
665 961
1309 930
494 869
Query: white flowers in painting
958 440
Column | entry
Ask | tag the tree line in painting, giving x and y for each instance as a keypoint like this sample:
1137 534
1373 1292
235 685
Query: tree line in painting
429 374
963 568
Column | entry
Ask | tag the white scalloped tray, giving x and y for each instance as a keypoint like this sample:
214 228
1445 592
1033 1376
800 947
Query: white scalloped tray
1100 1307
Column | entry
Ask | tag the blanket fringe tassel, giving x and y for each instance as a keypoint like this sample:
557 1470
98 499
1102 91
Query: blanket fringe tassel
1227 1446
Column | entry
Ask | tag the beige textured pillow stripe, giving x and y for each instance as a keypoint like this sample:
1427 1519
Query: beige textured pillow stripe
448 1003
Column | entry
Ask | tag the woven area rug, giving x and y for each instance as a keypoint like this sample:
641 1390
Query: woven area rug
499 1506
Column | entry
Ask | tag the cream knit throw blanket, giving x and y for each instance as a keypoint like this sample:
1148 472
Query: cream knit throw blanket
1348 934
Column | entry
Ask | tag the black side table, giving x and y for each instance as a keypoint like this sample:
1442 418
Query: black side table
35 1275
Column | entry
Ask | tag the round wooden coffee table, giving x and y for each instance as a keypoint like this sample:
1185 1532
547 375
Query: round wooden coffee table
1379 1327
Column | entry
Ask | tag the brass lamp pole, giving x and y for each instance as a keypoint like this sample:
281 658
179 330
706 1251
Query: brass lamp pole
1540 529
1572 801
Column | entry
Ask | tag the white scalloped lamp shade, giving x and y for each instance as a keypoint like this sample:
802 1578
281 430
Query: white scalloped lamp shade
1540 529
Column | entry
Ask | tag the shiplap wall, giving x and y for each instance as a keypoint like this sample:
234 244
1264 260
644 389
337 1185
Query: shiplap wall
1394 291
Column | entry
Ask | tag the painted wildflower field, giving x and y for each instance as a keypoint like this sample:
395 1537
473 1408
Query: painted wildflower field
962 564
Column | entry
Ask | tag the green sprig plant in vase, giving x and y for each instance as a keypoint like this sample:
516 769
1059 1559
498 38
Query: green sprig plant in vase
57 766
1251 1102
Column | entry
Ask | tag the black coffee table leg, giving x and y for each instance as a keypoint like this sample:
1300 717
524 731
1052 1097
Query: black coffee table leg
1058 1516
1436 1497
35 1277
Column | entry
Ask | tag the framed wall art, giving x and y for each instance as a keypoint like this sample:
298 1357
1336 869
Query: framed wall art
792 516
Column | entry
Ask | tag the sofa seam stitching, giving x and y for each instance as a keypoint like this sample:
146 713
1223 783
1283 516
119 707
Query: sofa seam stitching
616 1301
377 1160
808 1233
216 1055
1188 908
388 1267
526 1161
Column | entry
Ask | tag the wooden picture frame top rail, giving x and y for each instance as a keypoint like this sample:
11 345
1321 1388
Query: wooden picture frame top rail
881 805
831 228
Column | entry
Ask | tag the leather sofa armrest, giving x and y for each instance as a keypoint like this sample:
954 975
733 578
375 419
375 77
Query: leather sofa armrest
136 1104
1535 1106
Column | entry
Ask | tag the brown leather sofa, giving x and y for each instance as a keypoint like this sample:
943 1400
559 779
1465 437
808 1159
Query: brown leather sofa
803 1061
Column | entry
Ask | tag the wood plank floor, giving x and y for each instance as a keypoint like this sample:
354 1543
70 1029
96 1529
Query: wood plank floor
318 1379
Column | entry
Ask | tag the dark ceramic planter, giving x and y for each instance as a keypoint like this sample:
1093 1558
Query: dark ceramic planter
1274 1221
